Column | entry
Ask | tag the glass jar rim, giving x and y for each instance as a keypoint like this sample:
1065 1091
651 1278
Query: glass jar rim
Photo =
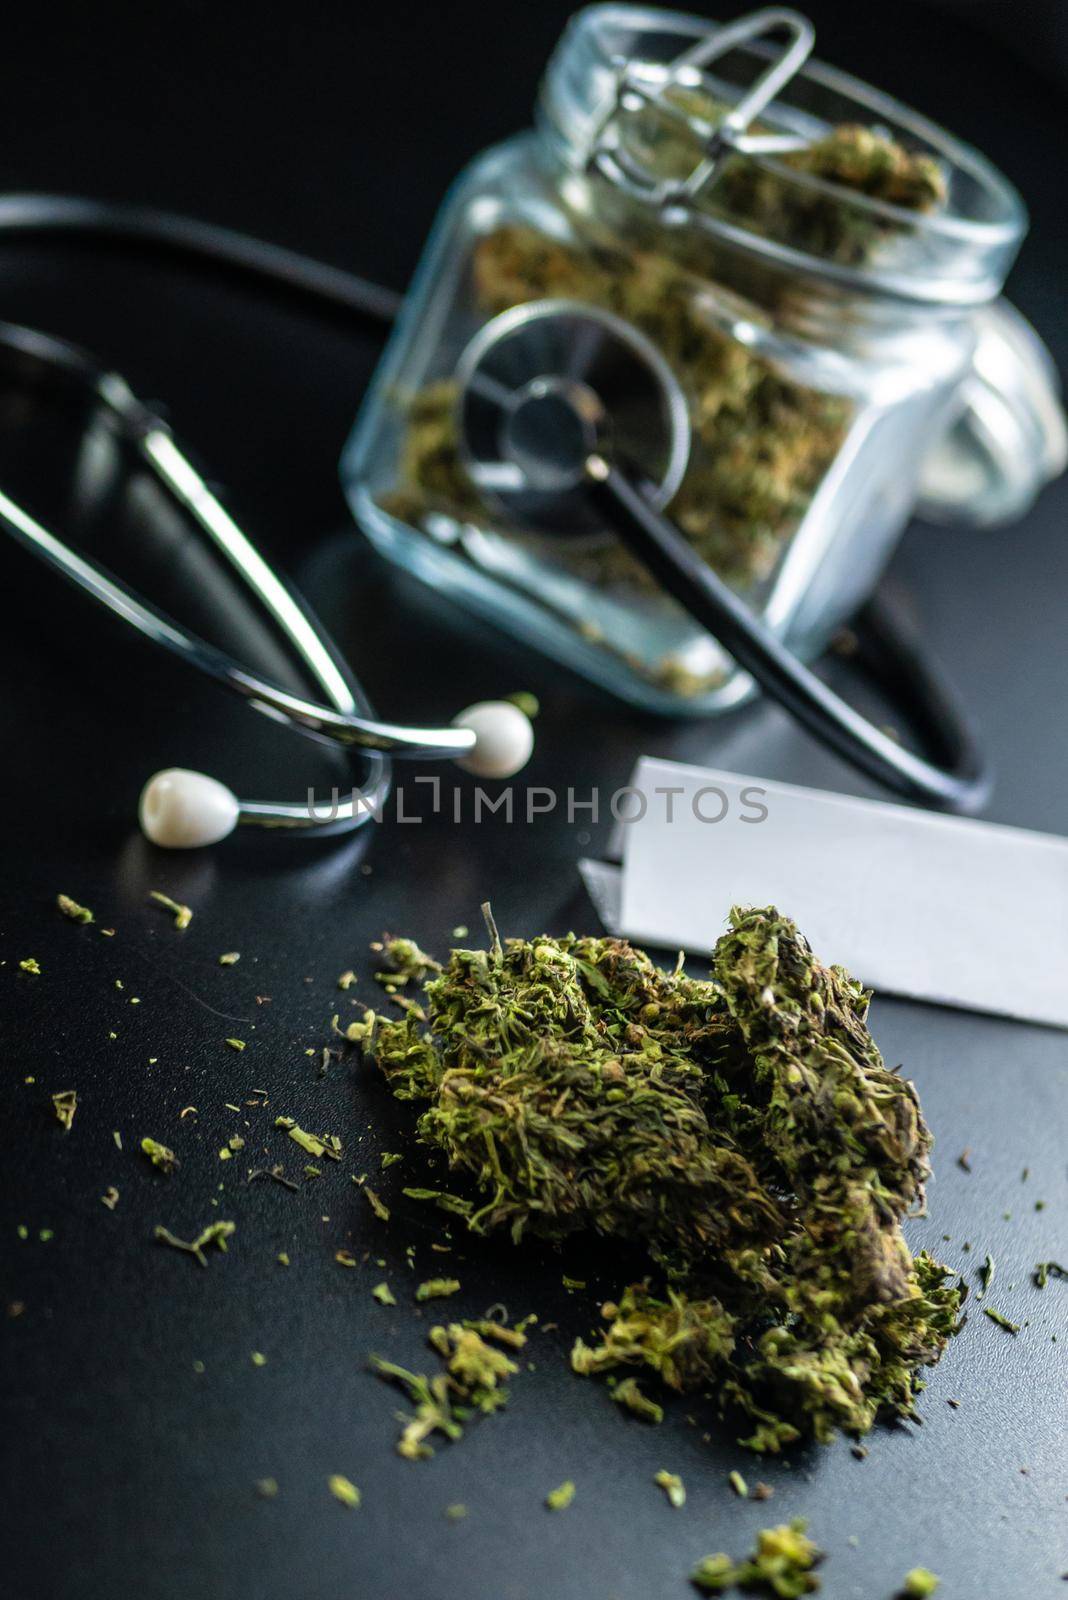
957 257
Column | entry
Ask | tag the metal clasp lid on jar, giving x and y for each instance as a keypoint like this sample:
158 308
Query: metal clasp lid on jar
1007 436
636 87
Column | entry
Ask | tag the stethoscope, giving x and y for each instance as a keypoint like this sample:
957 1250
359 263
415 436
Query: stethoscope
570 422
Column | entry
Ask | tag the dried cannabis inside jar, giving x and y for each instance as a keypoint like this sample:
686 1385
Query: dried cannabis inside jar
762 441
763 194
740 1130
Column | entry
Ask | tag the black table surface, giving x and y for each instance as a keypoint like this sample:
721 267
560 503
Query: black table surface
135 1423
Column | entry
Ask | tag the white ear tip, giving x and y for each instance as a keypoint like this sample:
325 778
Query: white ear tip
504 739
182 810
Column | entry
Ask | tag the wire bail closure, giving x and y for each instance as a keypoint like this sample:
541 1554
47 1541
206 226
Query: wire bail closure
608 154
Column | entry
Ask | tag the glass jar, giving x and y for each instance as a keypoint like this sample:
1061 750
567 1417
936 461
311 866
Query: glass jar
824 292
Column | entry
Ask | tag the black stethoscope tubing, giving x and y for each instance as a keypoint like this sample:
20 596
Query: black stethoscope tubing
960 785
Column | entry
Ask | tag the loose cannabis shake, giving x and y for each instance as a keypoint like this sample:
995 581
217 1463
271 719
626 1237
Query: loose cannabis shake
740 1131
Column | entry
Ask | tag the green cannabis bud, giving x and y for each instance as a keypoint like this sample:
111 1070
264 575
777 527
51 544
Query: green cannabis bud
740 1131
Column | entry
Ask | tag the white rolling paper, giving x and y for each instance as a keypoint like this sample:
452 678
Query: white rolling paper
961 913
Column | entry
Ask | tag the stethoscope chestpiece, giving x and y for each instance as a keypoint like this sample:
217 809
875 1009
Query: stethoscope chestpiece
546 385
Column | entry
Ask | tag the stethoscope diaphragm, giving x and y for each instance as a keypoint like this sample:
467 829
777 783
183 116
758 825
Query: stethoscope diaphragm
544 386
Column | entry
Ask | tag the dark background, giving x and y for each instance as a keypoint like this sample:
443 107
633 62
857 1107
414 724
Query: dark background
336 130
